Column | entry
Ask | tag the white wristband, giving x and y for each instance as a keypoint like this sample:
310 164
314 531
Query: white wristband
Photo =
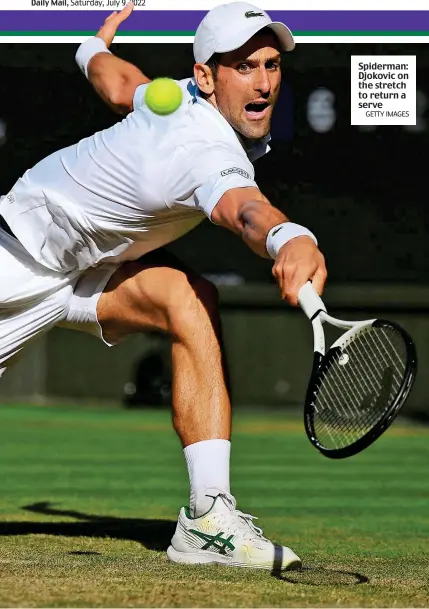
282 233
87 50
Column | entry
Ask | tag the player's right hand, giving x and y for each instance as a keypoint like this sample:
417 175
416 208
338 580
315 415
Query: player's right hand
297 262
108 31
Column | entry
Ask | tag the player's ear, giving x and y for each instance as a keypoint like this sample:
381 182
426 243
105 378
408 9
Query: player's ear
204 78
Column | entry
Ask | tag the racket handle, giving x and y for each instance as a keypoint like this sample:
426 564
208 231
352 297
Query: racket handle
309 301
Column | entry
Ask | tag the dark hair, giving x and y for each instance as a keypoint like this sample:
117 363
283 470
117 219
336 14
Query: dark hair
214 62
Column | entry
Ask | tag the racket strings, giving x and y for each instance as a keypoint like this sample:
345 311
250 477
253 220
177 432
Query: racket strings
359 386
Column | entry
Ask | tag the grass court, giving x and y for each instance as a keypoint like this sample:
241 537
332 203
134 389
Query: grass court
90 498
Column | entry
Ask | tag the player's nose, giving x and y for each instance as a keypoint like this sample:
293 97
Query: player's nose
262 82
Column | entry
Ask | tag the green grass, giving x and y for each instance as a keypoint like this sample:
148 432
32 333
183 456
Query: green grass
90 497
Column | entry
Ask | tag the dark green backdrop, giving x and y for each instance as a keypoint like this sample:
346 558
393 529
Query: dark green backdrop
363 192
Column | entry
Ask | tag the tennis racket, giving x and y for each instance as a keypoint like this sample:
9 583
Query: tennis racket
359 385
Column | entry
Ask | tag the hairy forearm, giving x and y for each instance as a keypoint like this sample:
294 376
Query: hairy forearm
254 221
115 81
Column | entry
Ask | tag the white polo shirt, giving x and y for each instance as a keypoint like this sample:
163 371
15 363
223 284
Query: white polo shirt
131 188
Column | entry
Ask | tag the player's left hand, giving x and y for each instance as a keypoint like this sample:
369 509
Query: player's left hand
297 262
108 31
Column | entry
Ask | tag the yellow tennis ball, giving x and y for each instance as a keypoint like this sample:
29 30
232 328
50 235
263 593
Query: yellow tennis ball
163 96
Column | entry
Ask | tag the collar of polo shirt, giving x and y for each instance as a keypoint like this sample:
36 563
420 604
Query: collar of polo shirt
255 150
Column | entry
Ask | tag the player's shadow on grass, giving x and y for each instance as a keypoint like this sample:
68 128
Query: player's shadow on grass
153 534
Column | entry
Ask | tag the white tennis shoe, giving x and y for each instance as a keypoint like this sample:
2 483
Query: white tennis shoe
226 536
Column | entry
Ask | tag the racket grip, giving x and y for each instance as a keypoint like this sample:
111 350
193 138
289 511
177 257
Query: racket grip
309 301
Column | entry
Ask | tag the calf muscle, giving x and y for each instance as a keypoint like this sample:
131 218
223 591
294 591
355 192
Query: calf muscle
167 297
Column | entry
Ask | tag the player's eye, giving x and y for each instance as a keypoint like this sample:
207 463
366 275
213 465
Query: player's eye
244 68
272 65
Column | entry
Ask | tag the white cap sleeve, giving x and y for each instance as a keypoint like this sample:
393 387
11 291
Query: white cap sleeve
217 184
202 177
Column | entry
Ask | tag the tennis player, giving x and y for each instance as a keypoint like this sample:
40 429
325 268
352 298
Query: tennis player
82 233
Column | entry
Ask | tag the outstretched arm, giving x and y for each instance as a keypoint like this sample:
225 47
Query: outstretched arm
249 214
114 79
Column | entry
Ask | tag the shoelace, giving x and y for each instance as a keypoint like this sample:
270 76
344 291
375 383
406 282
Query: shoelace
239 522
248 519
245 521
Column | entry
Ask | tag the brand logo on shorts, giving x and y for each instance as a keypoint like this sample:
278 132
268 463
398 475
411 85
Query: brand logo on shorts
253 14
10 198
227 172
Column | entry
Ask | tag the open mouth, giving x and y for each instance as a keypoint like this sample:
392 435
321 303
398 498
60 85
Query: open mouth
256 110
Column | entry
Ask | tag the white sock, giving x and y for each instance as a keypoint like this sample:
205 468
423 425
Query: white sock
208 466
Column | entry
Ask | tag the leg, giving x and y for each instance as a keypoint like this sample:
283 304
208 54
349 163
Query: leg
158 292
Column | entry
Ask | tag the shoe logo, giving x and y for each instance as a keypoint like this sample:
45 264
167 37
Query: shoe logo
253 14
215 542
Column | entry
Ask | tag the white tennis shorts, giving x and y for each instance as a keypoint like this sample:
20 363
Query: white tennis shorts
34 299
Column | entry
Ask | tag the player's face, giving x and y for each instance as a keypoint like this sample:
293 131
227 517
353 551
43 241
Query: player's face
248 84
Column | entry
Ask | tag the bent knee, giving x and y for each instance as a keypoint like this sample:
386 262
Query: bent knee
193 301
166 298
